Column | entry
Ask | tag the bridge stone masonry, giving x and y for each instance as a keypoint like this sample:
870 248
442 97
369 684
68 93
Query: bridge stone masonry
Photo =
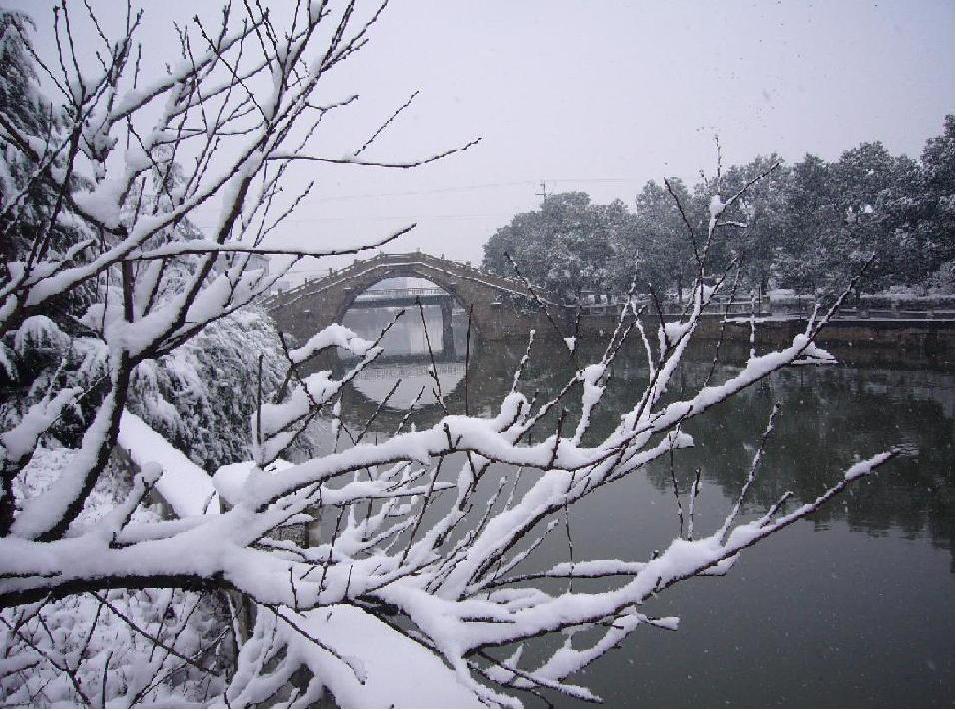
500 307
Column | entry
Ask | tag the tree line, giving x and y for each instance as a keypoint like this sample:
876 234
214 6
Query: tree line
808 226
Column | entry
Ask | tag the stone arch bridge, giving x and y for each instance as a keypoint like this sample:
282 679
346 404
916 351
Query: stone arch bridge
499 306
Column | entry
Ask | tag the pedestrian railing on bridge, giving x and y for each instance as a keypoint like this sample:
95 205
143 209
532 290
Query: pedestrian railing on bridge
611 305
867 307
874 307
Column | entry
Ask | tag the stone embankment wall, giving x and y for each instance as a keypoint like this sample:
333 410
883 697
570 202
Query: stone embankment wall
916 342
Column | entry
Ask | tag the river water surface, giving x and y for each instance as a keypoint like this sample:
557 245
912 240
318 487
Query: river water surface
853 607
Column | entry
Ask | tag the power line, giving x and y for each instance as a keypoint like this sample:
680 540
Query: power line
366 218
460 216
434 191
466 188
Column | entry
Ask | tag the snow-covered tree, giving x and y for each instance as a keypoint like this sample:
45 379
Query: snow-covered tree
809 226
882 199
934 223
566 247
664 253
424 536
761 215
812 213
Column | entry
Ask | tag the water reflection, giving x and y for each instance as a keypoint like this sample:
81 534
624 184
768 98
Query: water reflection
415 384
831 416
853 608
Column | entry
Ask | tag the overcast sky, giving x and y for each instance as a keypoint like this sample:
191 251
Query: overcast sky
601 97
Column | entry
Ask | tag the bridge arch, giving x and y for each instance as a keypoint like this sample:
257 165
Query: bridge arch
378 274
499 306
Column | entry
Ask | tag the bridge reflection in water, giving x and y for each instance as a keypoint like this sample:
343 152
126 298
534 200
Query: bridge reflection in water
377 381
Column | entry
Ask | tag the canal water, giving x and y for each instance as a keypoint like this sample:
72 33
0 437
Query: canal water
853 607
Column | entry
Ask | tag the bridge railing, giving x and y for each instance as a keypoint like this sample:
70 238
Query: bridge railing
868 307
904 307
613 304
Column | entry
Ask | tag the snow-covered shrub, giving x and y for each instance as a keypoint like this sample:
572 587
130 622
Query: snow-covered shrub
201 396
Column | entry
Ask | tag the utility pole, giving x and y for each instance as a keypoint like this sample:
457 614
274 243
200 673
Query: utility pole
544 191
